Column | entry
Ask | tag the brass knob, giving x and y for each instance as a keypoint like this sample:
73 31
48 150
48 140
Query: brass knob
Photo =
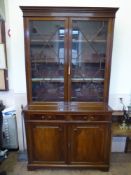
49 117
85 117
43 117
75 129
91 118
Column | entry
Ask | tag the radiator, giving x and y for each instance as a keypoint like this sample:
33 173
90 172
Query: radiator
10 137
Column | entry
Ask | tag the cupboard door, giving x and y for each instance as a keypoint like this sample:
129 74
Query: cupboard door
47 59
47 142
90 143
88 59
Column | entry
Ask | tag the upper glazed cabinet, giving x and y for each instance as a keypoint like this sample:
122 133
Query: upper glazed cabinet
68 53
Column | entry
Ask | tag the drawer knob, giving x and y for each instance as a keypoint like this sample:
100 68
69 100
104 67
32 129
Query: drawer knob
91 118
49 117
85 117
43 117
75 129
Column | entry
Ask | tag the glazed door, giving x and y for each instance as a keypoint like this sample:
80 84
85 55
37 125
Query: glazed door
47 59
89 144
47 142
88 59
68 59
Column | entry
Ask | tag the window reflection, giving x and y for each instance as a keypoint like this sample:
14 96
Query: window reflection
75 45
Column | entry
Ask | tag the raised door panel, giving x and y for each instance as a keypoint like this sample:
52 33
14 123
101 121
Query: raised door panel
47 143
90 143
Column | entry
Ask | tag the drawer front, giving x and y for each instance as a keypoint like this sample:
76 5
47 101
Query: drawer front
91 117
45 117
84 117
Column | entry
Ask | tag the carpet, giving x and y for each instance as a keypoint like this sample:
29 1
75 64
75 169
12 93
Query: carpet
120 165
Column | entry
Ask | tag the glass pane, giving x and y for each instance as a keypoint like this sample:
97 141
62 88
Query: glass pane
89 39
47 60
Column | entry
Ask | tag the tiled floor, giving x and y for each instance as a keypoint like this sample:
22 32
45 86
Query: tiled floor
120 165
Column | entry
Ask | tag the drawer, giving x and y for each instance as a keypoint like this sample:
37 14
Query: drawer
91 117
46 117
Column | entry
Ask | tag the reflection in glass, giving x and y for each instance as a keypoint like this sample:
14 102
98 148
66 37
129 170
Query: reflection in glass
88 60
47 60
45 91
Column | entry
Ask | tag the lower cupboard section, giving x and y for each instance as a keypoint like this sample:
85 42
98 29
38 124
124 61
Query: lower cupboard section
61 144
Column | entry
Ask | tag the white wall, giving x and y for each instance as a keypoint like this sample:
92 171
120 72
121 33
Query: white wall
120 85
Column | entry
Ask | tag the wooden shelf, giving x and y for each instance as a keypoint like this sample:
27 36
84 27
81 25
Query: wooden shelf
44 41
91 41
87 79
117 131
48 79
47 61
117 113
